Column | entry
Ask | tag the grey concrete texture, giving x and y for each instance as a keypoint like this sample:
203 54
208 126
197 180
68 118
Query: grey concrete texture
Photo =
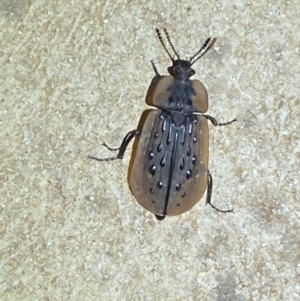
74 74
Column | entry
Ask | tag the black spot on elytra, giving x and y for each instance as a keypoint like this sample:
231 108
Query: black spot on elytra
150 155
194 159
183 195
181 165
178 186
156 135
152 169
188 152
195 139
163 162
159 147
159 185
168 139
188 174
151 190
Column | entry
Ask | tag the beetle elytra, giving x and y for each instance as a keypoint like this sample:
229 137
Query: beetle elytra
169 172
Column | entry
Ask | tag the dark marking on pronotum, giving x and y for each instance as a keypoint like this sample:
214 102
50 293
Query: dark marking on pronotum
169 172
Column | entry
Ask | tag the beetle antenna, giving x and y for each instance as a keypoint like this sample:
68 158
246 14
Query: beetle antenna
209 43
154 68
163 44
171 44
202 47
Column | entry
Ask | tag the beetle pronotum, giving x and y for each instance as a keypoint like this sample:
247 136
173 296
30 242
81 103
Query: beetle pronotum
170 172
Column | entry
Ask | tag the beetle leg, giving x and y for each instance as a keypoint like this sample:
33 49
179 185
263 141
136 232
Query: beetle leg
154 68
110 148
228 122
121 149
212 119
215 122
209 193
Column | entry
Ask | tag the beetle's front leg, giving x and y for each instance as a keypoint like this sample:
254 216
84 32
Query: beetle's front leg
121 149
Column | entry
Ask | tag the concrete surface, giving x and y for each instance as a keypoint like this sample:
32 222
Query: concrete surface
74 74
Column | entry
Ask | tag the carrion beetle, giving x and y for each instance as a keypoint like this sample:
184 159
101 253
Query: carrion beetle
170 171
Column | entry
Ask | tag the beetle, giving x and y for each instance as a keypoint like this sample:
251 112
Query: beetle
169 172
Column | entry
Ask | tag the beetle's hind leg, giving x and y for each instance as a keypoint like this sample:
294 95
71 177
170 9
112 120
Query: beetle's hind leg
121 149
209 193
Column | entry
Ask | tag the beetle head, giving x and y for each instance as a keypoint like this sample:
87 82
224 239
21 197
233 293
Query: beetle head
182 69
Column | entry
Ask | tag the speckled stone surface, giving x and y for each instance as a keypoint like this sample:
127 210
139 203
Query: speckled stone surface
74 74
